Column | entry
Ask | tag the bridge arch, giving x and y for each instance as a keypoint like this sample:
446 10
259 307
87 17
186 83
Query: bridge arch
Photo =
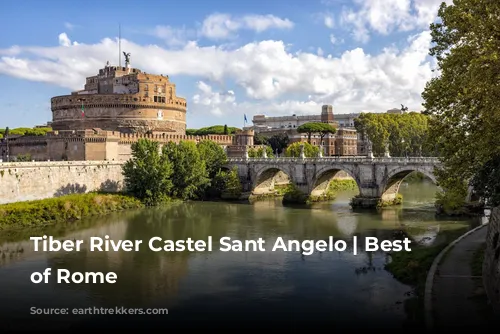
391 184
325 175
267 179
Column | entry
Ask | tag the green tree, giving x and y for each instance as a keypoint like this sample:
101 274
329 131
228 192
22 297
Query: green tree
213 155
190 175
259 139
278 142
404 134
232 187
310 151
226 132
325 129
23 157
315 127
212 130
463 100
147 174
259 152
485 181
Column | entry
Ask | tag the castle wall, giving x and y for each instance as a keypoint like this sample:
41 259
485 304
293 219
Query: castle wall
39 180
491 264
92 145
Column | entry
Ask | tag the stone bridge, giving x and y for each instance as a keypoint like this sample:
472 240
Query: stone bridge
377 178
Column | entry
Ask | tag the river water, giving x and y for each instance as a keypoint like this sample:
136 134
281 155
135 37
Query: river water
222 288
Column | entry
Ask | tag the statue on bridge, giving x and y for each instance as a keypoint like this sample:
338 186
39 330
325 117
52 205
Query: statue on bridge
369 148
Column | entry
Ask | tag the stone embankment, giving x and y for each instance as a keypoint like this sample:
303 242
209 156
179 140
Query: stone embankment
491 265
24 181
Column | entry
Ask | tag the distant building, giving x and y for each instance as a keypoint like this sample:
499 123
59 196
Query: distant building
344 142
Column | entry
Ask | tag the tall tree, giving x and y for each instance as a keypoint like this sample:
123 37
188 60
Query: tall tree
225 129
190 175
463 100
278 142
315 127
213 155
147 174
293 150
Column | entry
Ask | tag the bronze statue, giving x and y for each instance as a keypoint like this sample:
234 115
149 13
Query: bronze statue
403 108
127 58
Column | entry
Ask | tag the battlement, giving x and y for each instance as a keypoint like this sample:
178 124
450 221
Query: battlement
129 138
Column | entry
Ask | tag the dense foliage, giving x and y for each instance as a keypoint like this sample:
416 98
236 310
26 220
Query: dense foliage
148 173
63 209
259 153
185 171
278 142
310 151
403 134
316 127
212 130
26 131
463 100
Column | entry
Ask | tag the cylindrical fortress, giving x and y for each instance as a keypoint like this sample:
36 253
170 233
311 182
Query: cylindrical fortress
122 99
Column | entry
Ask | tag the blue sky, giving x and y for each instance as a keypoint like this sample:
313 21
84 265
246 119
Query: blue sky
227 58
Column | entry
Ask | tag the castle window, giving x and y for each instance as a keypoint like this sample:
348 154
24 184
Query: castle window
146 87
156 99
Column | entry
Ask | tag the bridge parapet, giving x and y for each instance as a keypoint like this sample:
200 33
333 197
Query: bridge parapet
381 160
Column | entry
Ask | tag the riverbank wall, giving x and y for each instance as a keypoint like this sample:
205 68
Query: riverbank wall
26 181
491 264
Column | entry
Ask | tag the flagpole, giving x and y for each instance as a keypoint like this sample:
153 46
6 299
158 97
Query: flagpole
119 45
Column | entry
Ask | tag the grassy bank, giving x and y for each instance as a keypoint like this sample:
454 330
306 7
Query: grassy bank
63 209
411 268
292 195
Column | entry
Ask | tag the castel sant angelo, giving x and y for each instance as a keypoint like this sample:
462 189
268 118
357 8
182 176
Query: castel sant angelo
116 107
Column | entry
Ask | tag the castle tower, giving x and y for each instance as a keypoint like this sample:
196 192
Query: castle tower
327 114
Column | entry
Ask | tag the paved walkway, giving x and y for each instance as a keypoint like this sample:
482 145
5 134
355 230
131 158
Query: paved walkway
458 297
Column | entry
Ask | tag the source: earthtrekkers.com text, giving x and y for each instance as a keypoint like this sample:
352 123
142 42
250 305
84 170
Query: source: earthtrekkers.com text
98 311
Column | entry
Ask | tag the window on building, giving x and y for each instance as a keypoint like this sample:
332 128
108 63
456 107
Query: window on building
155 99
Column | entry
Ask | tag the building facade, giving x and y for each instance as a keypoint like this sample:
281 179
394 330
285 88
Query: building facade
344 142
122 99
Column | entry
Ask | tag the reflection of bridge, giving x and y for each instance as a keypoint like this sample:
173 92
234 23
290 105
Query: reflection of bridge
377 178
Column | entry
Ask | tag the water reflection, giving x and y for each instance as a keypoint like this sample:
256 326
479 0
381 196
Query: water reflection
231 283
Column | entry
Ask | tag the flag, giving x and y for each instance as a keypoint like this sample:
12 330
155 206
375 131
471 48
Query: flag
245 118
83 111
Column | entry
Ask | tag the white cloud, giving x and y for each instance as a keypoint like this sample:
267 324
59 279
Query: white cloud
213 101
386 16
64 40
69 26
174 36
333 40
223 26
264 70
329 21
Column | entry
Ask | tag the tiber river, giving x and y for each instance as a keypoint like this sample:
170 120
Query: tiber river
224 288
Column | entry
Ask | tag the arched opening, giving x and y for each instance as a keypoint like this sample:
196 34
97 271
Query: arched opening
270 181
413 185
333 181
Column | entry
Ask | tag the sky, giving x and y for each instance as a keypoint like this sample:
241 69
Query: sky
227 58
